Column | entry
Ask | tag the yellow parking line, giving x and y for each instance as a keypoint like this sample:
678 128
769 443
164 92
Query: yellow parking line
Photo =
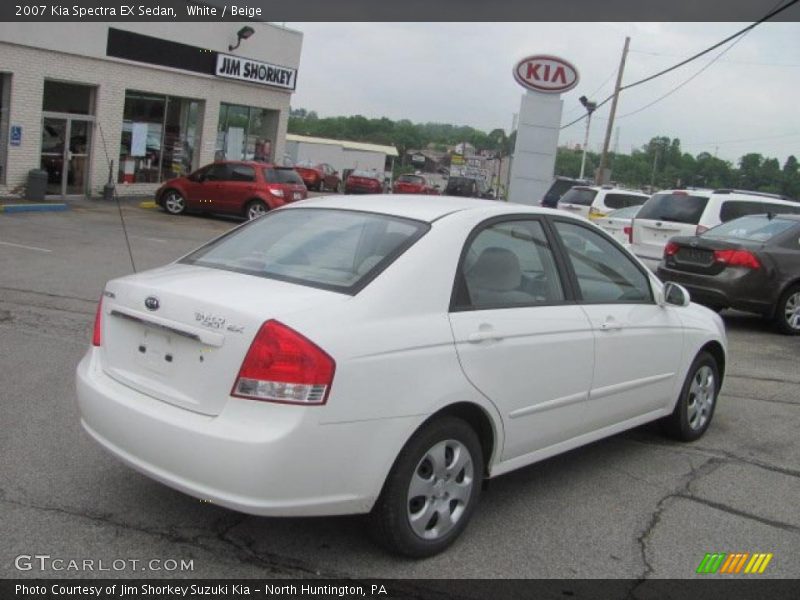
147 204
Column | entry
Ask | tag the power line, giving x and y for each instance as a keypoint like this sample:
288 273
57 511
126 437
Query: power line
766 17
732 62
679 86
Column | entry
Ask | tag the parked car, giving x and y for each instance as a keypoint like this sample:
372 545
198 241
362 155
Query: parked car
751 263
364 182
558 188
467 187
320 177
413 184
670 213
244 188
594 202
249 371
619 223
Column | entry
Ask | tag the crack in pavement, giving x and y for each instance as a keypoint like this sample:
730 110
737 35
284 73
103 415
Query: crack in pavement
244 552
772 400
93 301
758 378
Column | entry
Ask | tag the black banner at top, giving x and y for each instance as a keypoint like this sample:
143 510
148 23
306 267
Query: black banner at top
405 10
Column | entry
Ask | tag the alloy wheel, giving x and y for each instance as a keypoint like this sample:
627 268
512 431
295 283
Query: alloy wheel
702 394
255 210
440 489
791 311
174 203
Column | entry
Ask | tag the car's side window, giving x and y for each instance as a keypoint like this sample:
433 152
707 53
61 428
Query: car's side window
217 172
242 173
603 271
508 264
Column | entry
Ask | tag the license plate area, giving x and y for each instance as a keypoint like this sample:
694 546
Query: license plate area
695 256
297 196
156 351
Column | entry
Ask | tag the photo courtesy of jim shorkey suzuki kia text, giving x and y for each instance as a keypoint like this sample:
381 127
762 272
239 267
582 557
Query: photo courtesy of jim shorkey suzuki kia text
137 10
123 590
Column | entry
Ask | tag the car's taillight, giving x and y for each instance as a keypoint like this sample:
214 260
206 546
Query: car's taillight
671 249
628 231
284 366
737 258
276 192
98 323
700 229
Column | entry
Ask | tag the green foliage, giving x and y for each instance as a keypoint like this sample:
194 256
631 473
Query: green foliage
660 163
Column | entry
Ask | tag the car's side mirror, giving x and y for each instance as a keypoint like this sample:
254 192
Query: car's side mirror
676 294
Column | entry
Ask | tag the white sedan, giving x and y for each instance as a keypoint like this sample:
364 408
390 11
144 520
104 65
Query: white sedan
385 355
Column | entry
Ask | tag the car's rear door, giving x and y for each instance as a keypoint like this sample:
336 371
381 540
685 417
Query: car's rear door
239 187
520 341
638 344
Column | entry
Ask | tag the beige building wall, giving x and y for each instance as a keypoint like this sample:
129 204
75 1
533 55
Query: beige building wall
75 53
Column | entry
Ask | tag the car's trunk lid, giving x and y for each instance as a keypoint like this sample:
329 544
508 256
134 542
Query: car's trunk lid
180 333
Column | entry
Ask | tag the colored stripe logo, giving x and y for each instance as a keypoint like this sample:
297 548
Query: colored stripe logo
734 563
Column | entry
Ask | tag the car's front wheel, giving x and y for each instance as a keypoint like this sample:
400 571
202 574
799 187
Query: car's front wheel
255 209
174 202
698 399
432 490
787 315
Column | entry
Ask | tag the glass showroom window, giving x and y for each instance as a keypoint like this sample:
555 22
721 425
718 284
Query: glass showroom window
159 135
246 132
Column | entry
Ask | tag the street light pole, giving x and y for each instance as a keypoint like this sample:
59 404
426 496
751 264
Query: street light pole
590 106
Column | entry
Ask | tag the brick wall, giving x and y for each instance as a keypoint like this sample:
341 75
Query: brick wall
30 67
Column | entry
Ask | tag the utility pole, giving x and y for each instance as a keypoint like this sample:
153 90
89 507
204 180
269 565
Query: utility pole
604 156
590 108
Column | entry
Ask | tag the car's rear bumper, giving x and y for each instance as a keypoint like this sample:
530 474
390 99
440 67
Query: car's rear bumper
733 288
255 457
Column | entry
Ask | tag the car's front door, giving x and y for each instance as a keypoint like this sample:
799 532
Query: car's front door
205 193
519 340
638 344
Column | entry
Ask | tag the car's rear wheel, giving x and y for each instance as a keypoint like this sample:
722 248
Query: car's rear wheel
174 202
432 490
255 209
787 314
696 404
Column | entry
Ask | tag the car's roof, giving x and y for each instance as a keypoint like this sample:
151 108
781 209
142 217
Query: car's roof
605 188
419 207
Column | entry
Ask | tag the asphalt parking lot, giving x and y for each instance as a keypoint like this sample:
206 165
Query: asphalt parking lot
636 505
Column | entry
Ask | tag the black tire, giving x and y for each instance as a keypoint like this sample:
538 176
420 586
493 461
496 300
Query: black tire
390 519
684 424
783 321
173 202
254 209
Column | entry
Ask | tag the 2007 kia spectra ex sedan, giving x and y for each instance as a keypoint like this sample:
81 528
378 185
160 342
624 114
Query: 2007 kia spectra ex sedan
380 356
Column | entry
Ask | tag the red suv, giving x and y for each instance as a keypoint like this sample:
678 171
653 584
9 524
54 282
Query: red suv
248 189
364 182
321 177
413 184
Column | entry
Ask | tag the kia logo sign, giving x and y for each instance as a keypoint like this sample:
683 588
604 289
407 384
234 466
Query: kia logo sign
547 74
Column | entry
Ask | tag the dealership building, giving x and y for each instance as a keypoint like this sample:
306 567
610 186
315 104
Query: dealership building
139 102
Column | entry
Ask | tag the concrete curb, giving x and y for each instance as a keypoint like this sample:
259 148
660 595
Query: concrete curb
18 208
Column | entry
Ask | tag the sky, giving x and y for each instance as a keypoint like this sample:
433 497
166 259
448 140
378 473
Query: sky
460 73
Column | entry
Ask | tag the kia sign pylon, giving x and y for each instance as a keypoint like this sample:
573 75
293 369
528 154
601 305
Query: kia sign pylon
545 77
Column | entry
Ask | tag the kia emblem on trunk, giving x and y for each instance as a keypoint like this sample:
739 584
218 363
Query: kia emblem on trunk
151 303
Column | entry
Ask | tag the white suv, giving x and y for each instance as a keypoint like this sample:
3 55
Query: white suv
595 202
691 212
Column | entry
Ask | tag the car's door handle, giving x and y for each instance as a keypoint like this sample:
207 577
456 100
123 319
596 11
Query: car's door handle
483 336
611 325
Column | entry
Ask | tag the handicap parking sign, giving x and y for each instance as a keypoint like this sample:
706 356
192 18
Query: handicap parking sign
16 135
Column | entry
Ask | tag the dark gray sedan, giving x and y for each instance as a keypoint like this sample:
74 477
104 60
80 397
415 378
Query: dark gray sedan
750 264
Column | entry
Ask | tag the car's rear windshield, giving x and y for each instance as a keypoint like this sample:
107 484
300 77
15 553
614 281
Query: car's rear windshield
560 186
753 228
581 196
624 213
338 250
367 174
411 179
678 208
282 176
